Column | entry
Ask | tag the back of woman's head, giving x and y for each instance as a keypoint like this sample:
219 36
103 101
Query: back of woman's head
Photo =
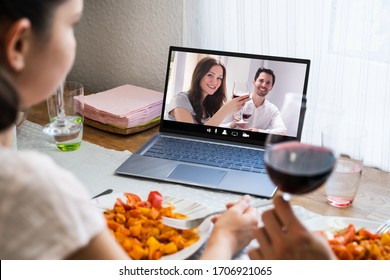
39 12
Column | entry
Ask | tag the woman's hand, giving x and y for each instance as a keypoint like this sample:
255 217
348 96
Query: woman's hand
235 123
233 230
283 237
229 108
235 104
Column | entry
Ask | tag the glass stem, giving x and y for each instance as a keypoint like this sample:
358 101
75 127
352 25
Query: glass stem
60 105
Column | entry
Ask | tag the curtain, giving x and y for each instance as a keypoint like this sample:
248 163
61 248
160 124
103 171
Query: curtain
347 41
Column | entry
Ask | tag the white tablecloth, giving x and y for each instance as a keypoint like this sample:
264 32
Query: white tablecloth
95 166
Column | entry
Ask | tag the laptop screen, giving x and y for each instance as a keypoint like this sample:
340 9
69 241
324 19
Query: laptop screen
201 85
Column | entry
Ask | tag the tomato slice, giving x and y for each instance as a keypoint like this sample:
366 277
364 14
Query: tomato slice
364 234
132 199
120 203
346 236
155 198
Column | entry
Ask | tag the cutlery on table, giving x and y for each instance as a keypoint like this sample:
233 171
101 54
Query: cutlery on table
108 191
384 227
193 223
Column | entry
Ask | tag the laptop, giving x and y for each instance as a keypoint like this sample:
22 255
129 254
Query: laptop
164 157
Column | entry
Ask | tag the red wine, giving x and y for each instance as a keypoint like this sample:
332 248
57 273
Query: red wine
235 95
246 116
298 168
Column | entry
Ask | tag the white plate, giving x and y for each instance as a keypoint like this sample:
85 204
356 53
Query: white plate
332 223
186 207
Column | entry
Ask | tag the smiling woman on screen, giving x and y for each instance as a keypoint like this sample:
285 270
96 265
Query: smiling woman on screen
204 102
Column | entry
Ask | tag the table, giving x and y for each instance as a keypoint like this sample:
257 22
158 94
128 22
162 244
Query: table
372 200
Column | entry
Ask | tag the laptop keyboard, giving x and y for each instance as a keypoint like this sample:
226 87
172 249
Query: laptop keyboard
211 154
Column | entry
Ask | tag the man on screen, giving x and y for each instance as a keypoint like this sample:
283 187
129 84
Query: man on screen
265 116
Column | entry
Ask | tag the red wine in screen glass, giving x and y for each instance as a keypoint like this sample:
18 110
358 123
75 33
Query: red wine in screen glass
246 116
240 88
247 111
298 168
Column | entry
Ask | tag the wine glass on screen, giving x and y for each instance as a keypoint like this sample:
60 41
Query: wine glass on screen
240 88
247 112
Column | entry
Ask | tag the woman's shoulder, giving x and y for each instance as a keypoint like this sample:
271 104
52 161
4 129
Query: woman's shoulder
181 99
34 170
25 161
182 95
51 207
11 159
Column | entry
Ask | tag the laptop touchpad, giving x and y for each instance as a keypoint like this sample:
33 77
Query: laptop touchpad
197 174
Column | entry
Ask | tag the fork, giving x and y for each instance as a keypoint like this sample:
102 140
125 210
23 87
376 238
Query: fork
384 227
193 223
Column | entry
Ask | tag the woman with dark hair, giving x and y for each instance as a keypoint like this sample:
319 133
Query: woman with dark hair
204 103
45 212
8 109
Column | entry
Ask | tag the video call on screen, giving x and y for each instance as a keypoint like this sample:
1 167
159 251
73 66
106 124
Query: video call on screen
287 93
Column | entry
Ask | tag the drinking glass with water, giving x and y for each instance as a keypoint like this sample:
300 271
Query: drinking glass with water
347 143
65 109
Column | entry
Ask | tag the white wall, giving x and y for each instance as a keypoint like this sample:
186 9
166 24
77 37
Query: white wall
126 41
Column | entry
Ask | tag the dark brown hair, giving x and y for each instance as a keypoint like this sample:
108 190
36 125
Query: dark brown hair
9 101
212 103
40 14
266 70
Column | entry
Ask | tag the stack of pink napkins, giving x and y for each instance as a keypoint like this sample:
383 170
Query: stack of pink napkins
126 106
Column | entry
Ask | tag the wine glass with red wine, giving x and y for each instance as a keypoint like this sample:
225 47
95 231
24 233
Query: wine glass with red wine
247 112
240 88
295 167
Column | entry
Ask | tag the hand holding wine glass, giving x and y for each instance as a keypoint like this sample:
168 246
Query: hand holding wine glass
295 168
